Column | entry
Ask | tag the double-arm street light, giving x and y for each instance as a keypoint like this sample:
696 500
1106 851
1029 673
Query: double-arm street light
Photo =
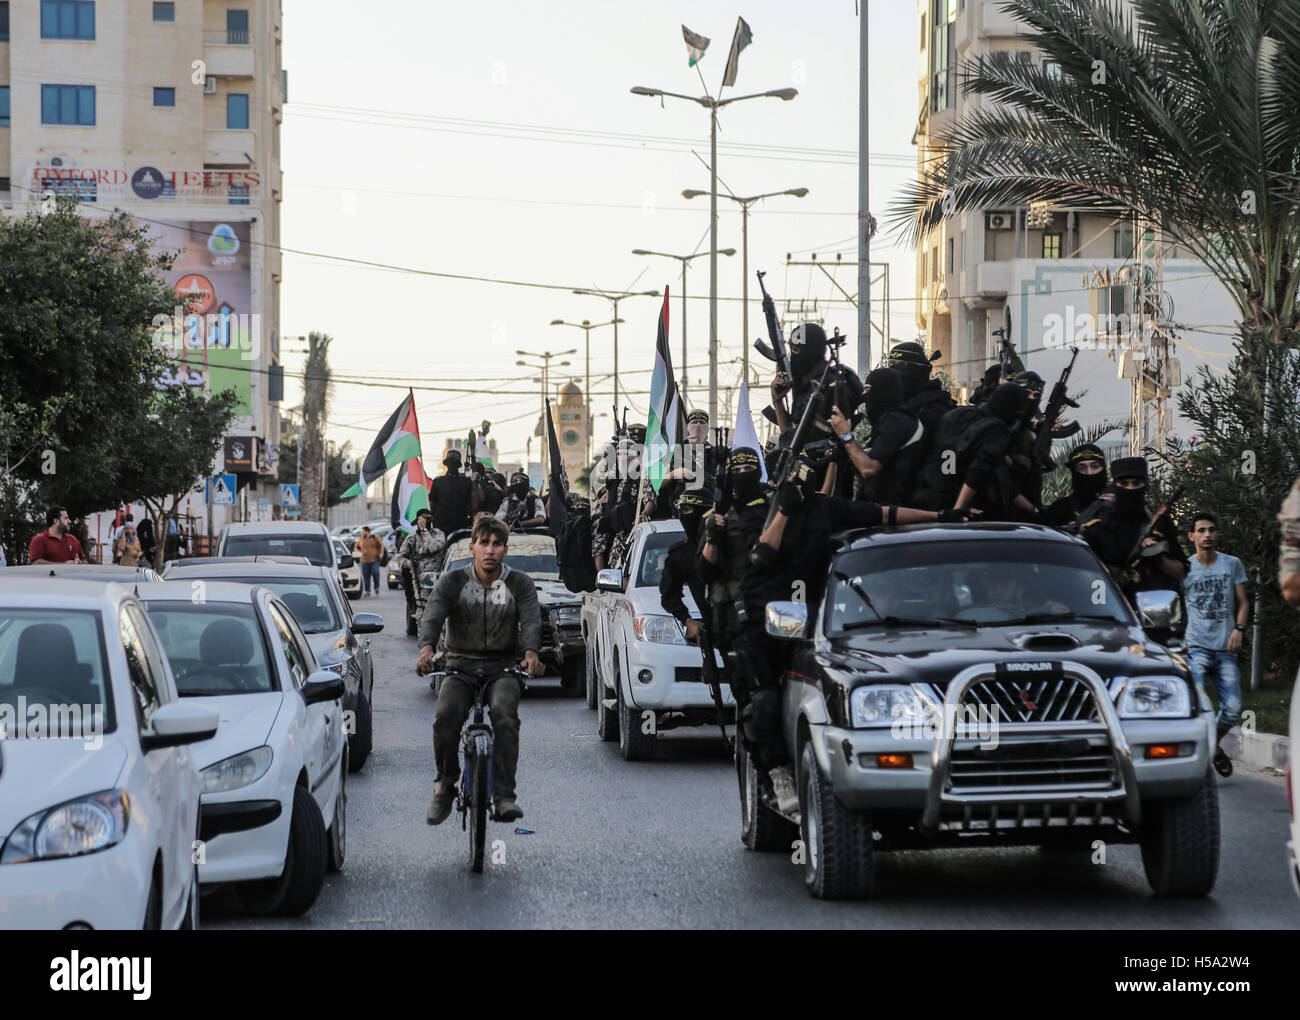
586 325
745 203
614 297
713 104
683 259
545 358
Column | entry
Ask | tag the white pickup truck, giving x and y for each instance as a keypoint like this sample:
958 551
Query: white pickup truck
643 676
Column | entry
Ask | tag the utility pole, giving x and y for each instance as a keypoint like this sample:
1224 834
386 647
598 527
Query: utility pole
864 201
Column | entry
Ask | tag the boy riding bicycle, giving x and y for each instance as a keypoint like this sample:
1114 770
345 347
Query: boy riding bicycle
490 612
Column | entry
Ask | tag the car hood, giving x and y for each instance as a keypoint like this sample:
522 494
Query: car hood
554 593
246 721
937 655
37 774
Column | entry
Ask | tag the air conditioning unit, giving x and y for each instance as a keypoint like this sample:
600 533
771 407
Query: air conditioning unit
209 85
998 221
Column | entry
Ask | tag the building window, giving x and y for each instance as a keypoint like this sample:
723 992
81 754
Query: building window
237 111
237 27
4 106
4 183
239 194
934 264
67 19
943 54
1124 241
4 21
164 12
923 31
68 104
951 247
1052 246
164 97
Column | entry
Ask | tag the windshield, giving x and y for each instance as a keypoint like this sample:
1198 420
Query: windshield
977 583
307 599
314 547
533 554
53 678
214 649
654 554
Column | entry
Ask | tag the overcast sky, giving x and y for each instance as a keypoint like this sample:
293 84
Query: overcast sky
503 142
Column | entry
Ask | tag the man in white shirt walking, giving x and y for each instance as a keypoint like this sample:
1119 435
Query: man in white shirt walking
1217 609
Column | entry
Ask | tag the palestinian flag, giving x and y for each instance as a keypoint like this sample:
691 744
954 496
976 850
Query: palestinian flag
398 441
739 41
410 494
483 452
695 45
661 425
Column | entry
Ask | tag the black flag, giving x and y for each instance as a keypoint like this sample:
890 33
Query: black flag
557 486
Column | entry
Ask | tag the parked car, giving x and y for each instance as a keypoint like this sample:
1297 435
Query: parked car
282 538
349 576
646 676
85 572
338 637
977 683
275 778
99 804
1293 786
563 649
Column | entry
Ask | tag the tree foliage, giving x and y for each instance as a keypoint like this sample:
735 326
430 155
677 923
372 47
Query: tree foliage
317 391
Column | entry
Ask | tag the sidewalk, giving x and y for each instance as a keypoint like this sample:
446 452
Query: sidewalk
1264 750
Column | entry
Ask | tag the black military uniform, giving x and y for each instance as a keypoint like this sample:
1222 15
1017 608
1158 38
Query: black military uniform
1084 489
897 441
922 396
679 571
451 497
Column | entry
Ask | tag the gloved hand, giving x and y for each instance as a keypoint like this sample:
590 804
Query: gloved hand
789 498
713 527
955 516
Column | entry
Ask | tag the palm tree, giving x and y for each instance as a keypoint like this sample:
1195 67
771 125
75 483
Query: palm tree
1184 113
318 390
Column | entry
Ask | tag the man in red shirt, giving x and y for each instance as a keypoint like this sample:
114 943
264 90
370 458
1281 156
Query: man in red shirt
56 544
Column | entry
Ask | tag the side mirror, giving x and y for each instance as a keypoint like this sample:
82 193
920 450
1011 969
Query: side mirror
610 580
346 561
179 723
1162 613
367 623
323 685
787 620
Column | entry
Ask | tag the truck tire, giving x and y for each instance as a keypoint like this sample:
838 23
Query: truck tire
589 674
633 741
606 718
1180 842
837 842
761 828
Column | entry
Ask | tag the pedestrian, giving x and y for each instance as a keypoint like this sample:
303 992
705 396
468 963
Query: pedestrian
1217 609
126 547
148 541
368 549
56 544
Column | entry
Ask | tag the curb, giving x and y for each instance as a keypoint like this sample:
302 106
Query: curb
1265 750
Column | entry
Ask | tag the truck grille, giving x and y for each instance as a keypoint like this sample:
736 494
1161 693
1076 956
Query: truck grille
1064 765
1042 698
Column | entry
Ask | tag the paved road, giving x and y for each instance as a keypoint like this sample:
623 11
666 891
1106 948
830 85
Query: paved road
657 844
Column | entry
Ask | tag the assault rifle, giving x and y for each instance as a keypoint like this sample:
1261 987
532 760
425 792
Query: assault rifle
788 455
776 351
1042 449
722 481
1135 553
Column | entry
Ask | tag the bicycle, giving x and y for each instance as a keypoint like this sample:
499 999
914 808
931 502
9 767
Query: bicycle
474 793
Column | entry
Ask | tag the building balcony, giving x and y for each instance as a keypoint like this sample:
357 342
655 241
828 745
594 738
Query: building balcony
993 280
996 23
229 148
228 59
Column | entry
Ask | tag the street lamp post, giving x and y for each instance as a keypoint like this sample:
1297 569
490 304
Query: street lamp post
713 104
614 297
745 203
587 326
545 366
683 259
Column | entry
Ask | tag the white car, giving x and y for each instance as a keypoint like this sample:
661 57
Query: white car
99 796
647 676
349 575
1293 787
280 538
274 778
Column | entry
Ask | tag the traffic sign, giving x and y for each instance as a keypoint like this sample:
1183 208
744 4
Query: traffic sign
221 490
288 495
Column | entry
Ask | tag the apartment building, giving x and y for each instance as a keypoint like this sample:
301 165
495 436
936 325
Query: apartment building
1046 275
170 112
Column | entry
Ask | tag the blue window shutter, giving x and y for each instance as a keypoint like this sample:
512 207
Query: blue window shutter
85 20
164 97
85 105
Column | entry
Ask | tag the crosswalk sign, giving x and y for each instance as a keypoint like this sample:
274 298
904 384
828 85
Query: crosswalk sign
221 490
288 495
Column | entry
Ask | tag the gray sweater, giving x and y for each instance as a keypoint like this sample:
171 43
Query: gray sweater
485 626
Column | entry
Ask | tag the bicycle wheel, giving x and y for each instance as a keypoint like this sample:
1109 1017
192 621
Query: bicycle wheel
478 801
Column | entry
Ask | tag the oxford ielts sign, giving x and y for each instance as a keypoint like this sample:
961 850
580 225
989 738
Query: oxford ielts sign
148 183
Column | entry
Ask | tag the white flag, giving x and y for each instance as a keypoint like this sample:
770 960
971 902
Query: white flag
744 434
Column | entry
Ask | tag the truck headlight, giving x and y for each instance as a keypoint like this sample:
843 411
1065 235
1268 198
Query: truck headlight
885 705
1155 697
76 827
567 614
237 771
663 630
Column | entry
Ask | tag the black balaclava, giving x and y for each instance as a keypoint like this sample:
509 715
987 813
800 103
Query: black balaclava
452 461
519 485
745 476
1131 502
912 364
1087 487
691 508
1008 403
885 394
1033 383
807 348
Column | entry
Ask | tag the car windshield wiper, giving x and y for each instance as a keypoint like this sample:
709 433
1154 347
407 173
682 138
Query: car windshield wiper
911 621
1066 617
